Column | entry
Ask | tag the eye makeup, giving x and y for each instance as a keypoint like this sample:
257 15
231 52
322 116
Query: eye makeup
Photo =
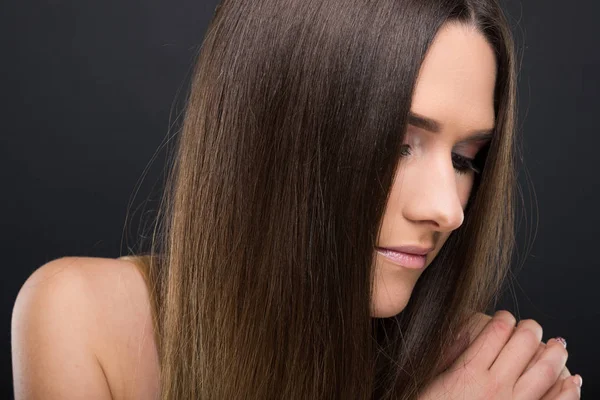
462 164
462 161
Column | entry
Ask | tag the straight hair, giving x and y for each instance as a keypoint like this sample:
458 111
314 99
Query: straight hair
261 265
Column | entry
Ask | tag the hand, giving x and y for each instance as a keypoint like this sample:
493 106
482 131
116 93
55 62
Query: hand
563 387
474 327
493 360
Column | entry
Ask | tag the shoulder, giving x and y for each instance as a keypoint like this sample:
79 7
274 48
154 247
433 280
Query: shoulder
95 316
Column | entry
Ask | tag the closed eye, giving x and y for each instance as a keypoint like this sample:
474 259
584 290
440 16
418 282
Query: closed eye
461 164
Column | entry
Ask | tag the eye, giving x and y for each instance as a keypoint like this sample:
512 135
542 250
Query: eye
461 164
405 150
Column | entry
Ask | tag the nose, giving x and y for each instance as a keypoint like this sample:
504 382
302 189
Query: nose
433 196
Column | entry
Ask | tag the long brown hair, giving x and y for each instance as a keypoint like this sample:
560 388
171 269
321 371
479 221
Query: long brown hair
261 263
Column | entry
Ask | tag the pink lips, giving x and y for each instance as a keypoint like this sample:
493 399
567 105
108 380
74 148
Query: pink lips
404 259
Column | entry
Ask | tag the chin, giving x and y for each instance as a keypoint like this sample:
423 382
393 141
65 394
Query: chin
391 292
389 305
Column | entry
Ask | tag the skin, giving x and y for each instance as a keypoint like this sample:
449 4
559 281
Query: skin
515 368
455 87
90 317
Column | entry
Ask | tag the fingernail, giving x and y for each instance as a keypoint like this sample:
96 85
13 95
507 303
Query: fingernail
561 341
578 380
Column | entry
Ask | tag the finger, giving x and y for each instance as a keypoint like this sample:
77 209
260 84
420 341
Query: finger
485 348
544 374
519 350
565 373
560 384
536 357
557 387
555 390
570 390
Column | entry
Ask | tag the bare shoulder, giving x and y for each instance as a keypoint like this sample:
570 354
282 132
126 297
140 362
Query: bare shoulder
125 343
94 321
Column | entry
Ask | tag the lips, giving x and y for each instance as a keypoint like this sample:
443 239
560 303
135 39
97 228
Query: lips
415 250
407 260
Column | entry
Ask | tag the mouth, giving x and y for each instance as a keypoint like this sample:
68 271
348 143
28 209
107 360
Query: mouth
408 256
417 250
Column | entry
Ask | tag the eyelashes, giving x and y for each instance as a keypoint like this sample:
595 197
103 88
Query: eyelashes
462 164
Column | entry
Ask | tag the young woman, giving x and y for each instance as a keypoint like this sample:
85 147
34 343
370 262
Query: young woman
339 209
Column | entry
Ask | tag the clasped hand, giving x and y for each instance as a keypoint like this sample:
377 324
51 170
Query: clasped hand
498 360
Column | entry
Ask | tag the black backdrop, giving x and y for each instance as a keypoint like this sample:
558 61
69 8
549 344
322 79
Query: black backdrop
89 89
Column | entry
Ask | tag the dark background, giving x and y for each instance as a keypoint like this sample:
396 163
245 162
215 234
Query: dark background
90 88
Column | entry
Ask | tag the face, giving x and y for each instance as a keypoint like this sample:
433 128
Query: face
452 114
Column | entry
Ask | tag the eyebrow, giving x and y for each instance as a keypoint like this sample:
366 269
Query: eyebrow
434 126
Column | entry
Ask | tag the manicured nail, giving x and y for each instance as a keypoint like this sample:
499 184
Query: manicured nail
578 380
561 341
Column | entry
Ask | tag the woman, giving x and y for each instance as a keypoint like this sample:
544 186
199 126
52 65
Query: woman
340 207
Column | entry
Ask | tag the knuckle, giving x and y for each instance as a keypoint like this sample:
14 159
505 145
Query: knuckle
502 326
504 321
532 326
506 316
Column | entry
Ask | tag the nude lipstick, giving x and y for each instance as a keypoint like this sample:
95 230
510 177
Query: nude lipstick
409 257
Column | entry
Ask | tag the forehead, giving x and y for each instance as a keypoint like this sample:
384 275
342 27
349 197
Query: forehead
456 80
